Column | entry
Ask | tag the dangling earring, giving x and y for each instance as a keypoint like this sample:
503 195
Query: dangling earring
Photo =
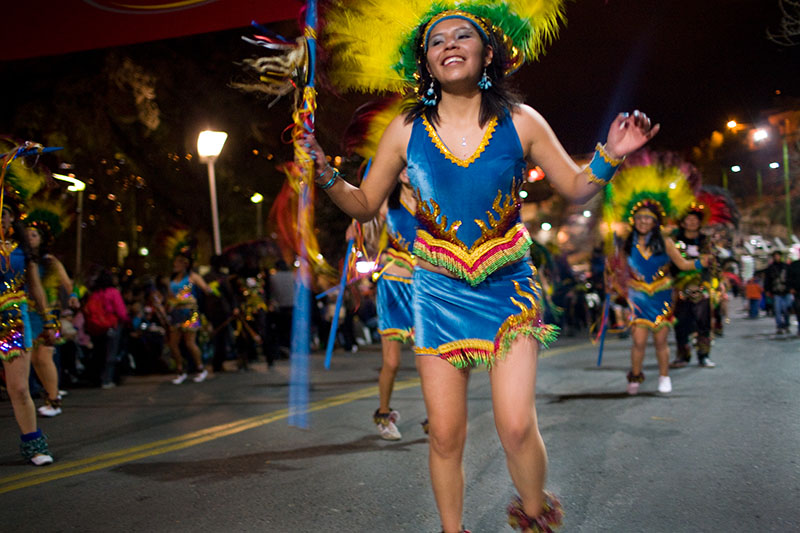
485 82
430 95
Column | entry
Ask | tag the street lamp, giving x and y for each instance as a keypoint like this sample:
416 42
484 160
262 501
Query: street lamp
209 145
258 199
77 186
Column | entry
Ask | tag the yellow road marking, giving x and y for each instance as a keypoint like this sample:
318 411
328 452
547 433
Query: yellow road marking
98 462
150 449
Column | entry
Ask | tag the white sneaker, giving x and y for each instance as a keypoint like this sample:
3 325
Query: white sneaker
41 459
180 378
664 384
49 411
633 388
389 431
394 416
386 426
201 377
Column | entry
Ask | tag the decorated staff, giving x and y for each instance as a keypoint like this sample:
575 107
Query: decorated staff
466 141
647 194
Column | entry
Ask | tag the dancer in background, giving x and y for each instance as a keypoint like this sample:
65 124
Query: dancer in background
391 234
19 274
646 194
692 291
183 312
467 141
46 220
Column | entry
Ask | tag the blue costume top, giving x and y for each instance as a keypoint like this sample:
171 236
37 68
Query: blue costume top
14 340
401 227
468 210
468 222
184 313
650 288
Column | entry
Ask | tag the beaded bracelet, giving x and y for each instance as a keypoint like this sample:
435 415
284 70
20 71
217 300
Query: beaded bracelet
602 167
698 265
50 321
328 184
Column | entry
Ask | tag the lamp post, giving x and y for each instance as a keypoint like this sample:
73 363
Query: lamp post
209 146
258 199
78 186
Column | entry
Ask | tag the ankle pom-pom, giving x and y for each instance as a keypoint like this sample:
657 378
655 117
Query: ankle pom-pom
548 521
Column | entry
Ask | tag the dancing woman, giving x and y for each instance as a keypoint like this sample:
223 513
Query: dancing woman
391 233
183 312
45 221
19 278
466 142
647 195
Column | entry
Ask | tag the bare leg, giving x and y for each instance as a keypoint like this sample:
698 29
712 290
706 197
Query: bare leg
190 340
662 350
391 362
444 388
175 348
514 401
17 371
42 359
639 335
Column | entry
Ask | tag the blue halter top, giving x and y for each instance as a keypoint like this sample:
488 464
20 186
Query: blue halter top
401 227
468 210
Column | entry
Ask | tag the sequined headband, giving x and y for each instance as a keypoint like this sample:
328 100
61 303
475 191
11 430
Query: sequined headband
480 24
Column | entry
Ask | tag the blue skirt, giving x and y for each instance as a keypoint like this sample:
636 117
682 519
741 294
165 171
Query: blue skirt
395 318
653 311
185 318
471 325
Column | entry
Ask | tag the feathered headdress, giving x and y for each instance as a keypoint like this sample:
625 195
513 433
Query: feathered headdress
48 215
373 43
20 178
368 124
718 206
178 241
663 190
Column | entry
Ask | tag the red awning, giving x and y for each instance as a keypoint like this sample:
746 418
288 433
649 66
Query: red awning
34 28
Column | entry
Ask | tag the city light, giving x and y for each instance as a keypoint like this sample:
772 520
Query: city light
362 267
76 184
546 226
732 124
760 135
209 143
257 198
144 251
523 194
736 168
774 165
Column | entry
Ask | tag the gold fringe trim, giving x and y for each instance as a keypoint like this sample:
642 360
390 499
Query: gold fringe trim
401 279
446 152
397 334
652 287
592 177
601 149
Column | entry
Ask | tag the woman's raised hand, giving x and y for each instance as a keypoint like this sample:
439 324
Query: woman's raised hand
629 132
310 145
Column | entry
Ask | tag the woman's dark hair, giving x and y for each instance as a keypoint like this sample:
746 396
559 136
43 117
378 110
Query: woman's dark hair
654 241
21 236
495 101
104 280
188 266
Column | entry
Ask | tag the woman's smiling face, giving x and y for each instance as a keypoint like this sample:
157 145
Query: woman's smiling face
456 51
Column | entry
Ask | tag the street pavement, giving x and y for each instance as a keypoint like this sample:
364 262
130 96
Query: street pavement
718 454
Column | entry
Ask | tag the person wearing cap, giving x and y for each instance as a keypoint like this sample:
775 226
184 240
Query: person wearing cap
692 292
